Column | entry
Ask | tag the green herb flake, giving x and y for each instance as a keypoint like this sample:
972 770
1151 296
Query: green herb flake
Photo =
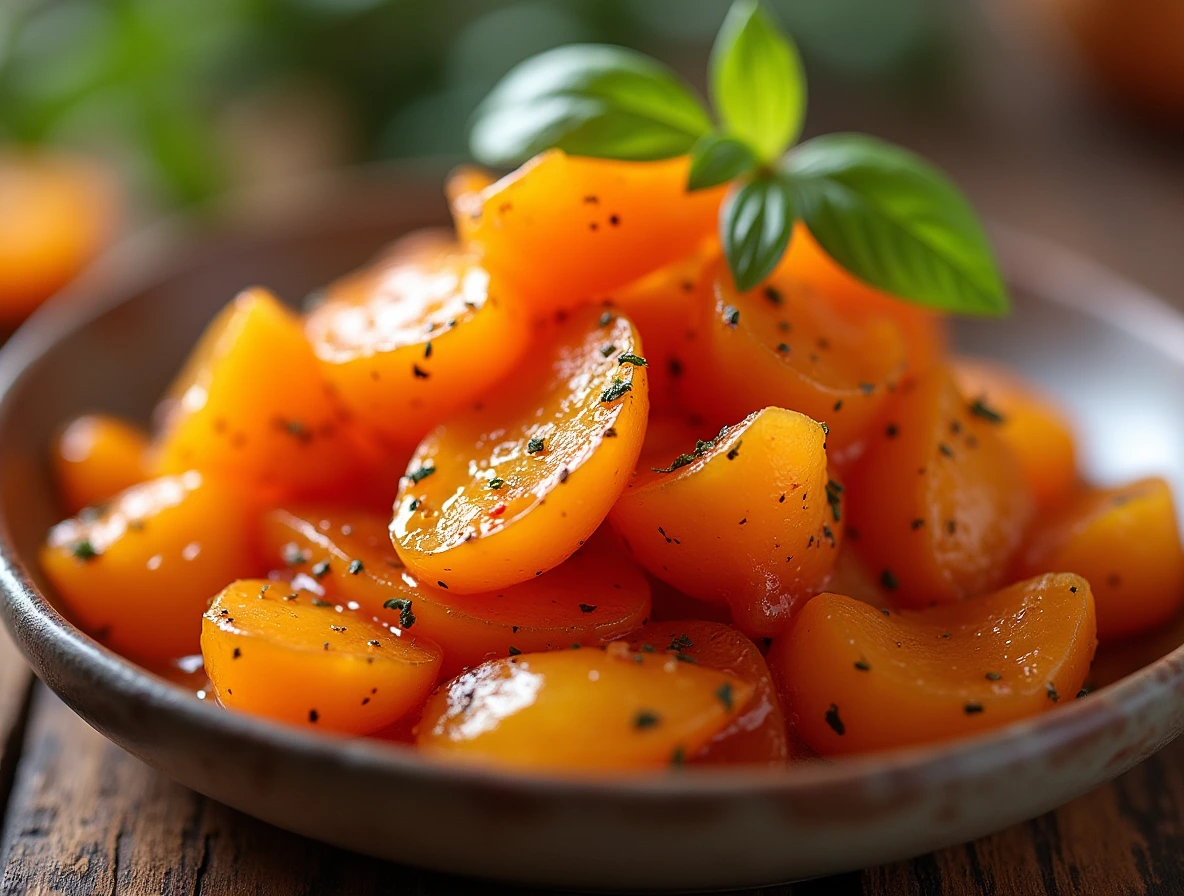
84 550
1052 693
607 318
980 408
321 569
834 497
496 483
724 692
514 651
534 446
993 676
888 580
587 608
617 389
863 665
422 473
320 602
403 605
731 316
635 360
293 556
833 720
607 349
972 708
646 719
355 567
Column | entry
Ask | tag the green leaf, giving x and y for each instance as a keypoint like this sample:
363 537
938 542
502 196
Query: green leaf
589 100
717 159
758 86
896 222
755 225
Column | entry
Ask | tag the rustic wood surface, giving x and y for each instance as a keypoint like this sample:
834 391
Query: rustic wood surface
82 817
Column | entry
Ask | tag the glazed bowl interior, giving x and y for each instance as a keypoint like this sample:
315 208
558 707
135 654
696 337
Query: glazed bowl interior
1112 354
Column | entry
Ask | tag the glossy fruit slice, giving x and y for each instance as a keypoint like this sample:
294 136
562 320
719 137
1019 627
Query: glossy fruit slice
597 595
564 230
665 307
924 331
588 710
415 336
139 574
511 487
938 501
749 518
251 403
97 456
782 345
279 652
1038 432
757 733
856 679
1126 542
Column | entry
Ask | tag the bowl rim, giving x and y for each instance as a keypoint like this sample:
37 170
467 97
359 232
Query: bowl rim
1032 263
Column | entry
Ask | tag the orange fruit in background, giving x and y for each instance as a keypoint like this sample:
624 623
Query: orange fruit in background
57 213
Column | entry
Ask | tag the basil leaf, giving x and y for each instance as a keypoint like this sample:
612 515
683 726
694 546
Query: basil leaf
589 100
758 86
756 222
894 221
717 159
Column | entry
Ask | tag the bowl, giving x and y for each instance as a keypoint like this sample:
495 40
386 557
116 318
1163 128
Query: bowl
1113 354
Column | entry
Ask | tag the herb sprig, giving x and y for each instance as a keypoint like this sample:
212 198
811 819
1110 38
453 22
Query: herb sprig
882 213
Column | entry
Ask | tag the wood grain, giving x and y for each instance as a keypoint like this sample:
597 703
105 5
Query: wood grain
15 684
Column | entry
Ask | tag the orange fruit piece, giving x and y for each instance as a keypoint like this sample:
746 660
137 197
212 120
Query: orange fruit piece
138 575
937 502
511 487
1040 435
251 403
924 331
279 652
857 679
1126 542
97 456
757 733
595 596
781 345
415 336
59 212
588 710
749 518
563 230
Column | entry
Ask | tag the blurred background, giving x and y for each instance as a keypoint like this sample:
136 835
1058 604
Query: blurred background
1063 116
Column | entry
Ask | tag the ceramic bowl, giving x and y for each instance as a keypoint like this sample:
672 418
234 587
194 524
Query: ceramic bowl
1115 355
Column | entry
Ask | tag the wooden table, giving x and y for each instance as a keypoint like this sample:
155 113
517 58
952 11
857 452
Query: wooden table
83 817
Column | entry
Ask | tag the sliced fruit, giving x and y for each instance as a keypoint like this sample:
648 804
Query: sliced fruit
783 346
1039 433
511 487
565 229
596 596
138 574
283 653
1125 541
97 456
749 518
757 733
938 500
415 336
251 403
587 710
924 331
856 679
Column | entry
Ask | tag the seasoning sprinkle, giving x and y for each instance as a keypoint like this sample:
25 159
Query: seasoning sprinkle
863 665
834 497
84 550
293 556
993 676
496 483
618 388
534 446
587 608
980 408
731 316
606 318
724 692
635 360
355 567
320 570
888 580
403 605
832 719
422 473
514 651
646 719
972 708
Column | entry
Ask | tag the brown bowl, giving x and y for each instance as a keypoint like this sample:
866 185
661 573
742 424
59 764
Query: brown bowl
1115 355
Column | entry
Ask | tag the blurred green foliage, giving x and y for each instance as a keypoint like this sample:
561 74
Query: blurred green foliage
165 87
